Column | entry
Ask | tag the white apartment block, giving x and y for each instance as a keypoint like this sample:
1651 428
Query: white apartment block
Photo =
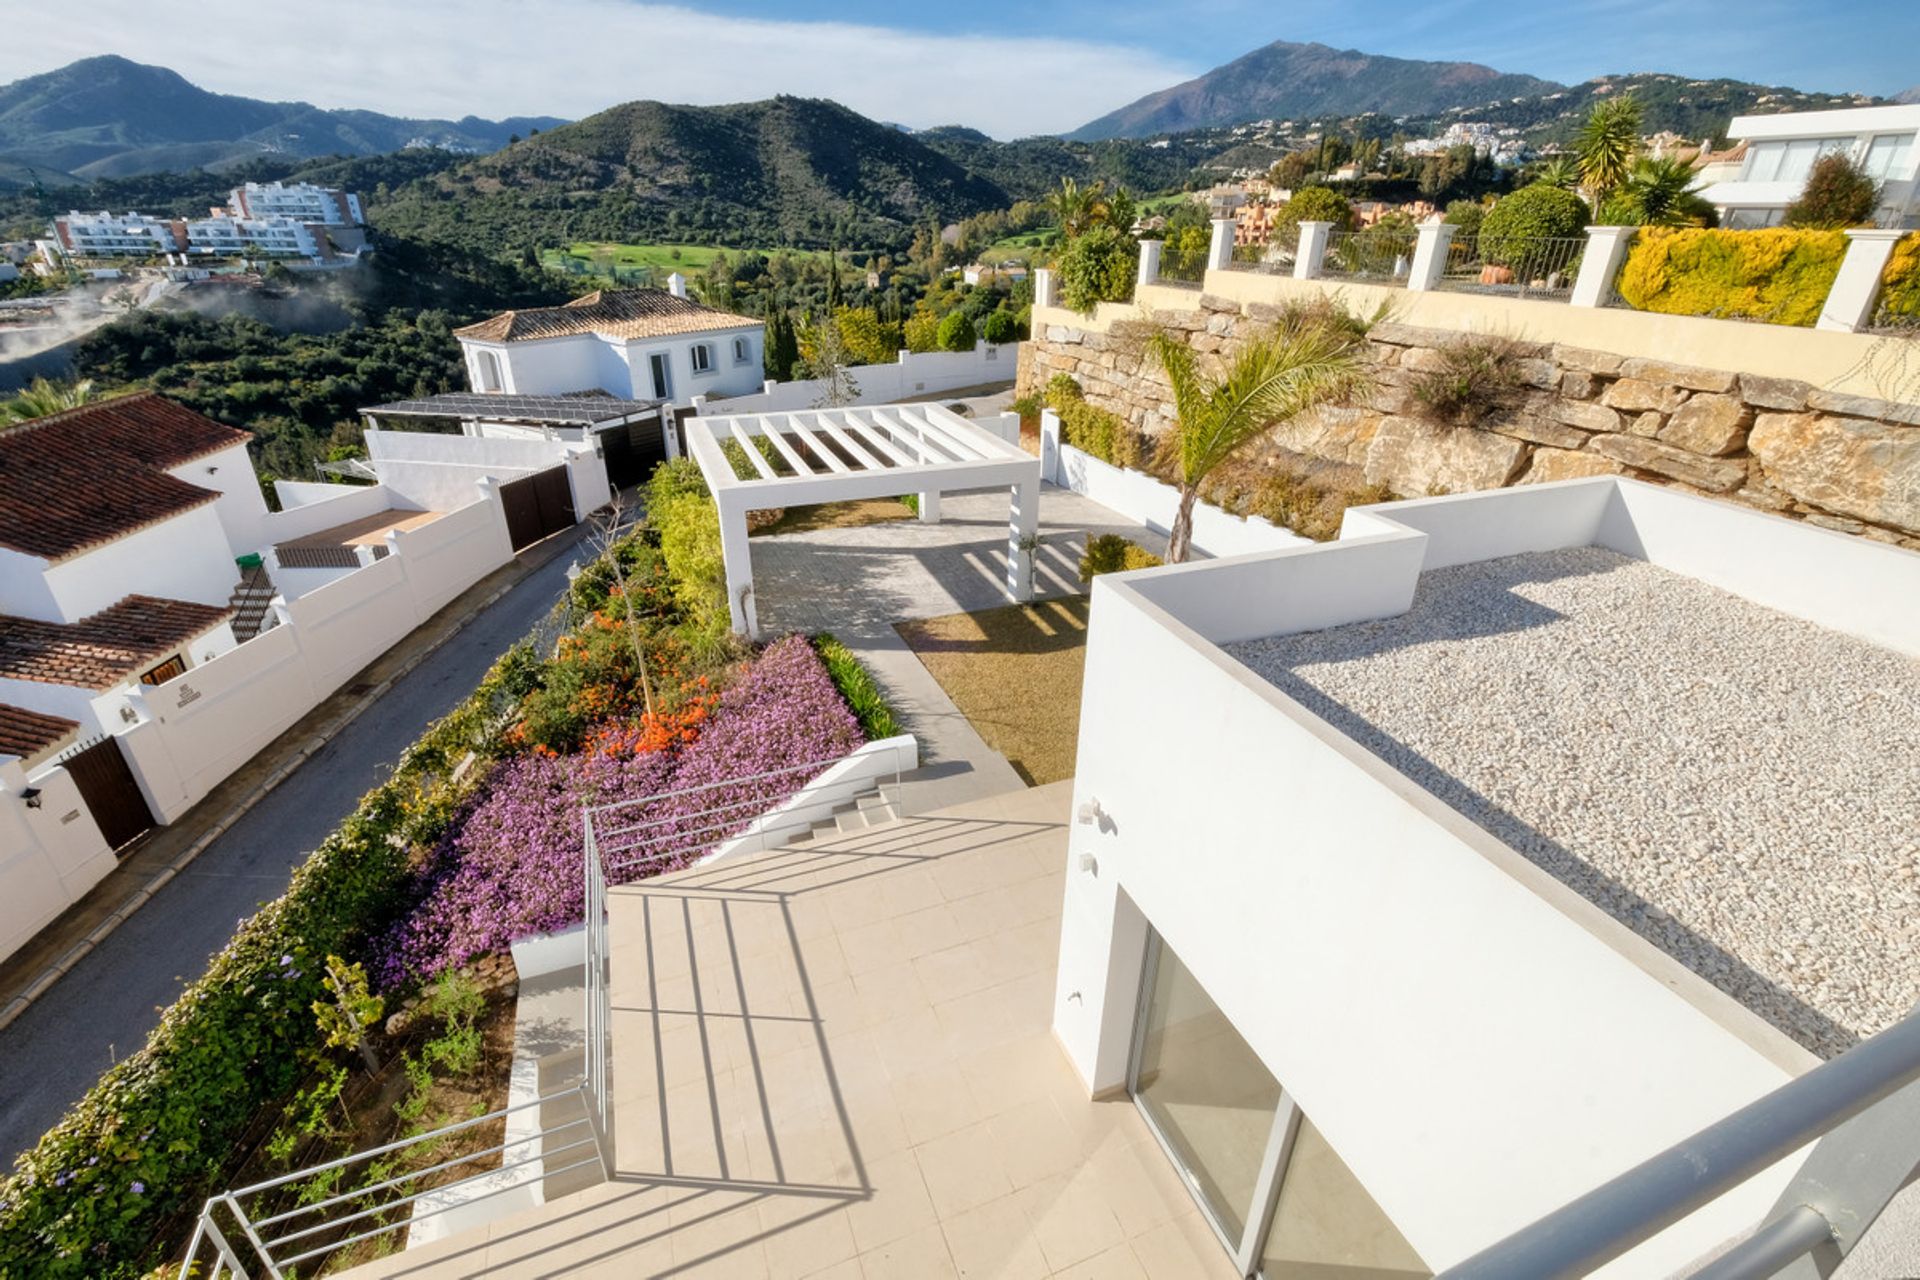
225 237
298 201
118 235
1781 150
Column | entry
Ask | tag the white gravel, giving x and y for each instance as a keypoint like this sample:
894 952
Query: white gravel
1739 786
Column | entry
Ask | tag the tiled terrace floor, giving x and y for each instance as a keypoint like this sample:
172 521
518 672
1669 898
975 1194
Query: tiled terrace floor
837 1062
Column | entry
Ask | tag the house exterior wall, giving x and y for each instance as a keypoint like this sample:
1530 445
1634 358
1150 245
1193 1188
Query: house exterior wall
1479 1044
242 508
1761 191
551 366
914 374
186 557
49 856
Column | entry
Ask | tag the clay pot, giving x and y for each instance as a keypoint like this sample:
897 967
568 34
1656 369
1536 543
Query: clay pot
1491 274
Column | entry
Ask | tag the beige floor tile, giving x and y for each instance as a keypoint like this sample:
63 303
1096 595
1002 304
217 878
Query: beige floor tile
994 1242
898 1206
1139 1186
1183 1248
1070 1221
893 991
921 1255
1117 1263
803 1235
962 1170
1034 1142
957 971
848 1270
934 1102
911 1043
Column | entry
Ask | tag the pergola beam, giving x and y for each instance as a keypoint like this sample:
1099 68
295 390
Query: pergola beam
814 443
930 447
787 451
754 455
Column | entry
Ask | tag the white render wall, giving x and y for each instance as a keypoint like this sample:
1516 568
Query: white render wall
432 471
914 374
241 506
1479 1044
49 856
553 366
186 557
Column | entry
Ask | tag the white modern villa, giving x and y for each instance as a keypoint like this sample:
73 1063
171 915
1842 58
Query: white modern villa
1780 149
637 344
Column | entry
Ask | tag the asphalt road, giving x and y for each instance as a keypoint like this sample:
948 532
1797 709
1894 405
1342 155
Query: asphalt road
108 1003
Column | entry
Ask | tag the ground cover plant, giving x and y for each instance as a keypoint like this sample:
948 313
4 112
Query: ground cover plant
1780 275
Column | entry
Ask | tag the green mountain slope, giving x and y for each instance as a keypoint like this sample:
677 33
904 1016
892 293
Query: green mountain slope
1028 168
111 117
793 171
1287 79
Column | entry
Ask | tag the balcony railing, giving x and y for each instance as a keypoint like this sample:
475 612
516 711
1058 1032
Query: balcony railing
1374 255
1542 267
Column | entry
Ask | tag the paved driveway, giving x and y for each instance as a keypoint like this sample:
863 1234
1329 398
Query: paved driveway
108 1003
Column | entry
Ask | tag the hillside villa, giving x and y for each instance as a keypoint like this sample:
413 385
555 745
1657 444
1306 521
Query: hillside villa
1780 150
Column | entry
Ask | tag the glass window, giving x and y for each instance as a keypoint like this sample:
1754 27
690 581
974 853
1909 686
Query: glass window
1325 1223
1802 152
702 357
1888 154
740 350
1763 161
1206 1093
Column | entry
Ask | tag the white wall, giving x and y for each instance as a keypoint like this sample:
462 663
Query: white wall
24 592
446 557
438 472
347 503
546 367
1146 500
241 505
914 374
183 558
49 856
298 493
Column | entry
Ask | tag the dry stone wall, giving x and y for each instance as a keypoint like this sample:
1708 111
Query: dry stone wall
1844 462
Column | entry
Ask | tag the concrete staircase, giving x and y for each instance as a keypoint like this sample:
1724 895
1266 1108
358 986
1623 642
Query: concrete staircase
252 602
873 808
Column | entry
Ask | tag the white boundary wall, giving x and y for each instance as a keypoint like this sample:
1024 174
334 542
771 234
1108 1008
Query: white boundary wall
49 856
1478 1042
1147 501
915 373
433 471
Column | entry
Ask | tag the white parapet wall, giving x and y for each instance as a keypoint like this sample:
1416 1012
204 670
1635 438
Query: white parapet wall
868 766
915 375
1153 503
1477 1041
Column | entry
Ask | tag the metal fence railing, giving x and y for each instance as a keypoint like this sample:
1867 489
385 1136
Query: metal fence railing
1376 255
1538 267
1183 269
300 1220
1276 256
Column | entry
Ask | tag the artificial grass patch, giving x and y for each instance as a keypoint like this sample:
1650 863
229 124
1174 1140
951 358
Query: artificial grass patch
1014 672
837 515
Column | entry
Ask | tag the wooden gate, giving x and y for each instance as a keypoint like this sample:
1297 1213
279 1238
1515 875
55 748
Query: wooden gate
537 505
632 450
100 771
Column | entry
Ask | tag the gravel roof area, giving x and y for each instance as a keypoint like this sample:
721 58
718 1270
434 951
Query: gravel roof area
1738 786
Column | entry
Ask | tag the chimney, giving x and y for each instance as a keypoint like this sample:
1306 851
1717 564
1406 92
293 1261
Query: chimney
677 285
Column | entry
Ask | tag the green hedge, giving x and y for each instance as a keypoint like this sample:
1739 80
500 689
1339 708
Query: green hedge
1093 430
107 1188
1111 553
682 513
1779 275
857 686
1900 285
1097 266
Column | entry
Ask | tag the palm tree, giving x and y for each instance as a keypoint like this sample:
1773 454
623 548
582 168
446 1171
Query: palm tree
1607 143
1560 171
1076 208
1658 192
1272 378
41 398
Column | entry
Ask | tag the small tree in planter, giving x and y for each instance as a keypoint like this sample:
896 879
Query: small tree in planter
1838 194
1270 379
1515 234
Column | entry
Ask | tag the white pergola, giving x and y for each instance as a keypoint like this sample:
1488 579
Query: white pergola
841 455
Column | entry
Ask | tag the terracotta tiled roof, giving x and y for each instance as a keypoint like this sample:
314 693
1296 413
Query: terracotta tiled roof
98 652
25 733
89 475
623 313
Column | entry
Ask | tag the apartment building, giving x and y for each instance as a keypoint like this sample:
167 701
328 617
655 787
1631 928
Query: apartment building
298 220
1780 151
297 201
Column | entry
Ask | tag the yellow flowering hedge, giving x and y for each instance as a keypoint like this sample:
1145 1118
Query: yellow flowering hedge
1900 286
1780 275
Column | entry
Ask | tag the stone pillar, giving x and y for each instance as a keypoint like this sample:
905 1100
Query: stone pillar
1220 252
1023 530
738 562
1149 262
1044 290
1856 288
1050 447
1600 265
1312 249
1430 255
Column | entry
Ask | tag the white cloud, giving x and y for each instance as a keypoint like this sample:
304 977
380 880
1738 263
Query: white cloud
498 58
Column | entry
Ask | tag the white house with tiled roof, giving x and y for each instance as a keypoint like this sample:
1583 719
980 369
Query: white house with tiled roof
638 344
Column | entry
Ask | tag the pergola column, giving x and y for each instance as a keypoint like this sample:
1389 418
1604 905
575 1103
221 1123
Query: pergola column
737 560
930 506
1023 528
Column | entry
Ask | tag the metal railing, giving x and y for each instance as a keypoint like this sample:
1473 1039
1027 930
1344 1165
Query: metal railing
1183 270
294 555
1542 267
297 1219
1275 257
1863 1107
1376 255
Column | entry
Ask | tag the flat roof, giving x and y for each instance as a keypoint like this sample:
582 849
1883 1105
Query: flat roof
562 410
1733 783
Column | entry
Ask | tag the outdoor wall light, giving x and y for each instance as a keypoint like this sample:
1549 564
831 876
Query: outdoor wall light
32 796
1091 814
211 470
1089 864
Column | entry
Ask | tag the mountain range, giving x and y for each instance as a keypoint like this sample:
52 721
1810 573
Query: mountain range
1286 79
110 117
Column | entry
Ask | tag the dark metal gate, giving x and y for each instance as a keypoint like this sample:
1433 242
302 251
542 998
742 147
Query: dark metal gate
100 771
632 450
537 505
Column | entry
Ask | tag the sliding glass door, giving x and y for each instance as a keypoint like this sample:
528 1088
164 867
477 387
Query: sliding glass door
1284 1204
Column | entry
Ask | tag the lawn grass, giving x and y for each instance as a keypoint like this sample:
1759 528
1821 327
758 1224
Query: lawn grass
1016 247
1014 672
836 515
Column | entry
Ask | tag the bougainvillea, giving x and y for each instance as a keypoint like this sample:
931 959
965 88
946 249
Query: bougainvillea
511 864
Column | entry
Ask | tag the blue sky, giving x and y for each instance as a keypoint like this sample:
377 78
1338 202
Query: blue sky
1004 67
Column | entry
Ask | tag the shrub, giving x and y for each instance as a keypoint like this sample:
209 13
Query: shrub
1513 231
1779 275
923 332
1900 285
1104 435
1466 215
1000 326
1029 407
1316 204
158 1133
1097 266
1063 389
1474 375
687 523
1111 553
856 685
957 332
1838 194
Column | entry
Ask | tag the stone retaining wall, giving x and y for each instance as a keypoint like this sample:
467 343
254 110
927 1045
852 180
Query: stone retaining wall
1845 462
